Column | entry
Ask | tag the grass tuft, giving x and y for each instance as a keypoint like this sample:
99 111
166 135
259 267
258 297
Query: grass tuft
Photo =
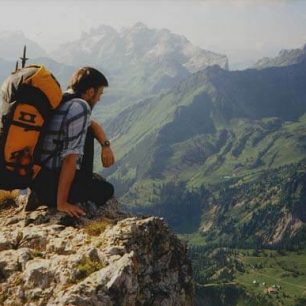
97 227
88 266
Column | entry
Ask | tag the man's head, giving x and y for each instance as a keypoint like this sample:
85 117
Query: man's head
89 84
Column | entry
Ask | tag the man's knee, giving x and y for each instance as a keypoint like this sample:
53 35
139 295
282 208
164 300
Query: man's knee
101 190
110 190
105 186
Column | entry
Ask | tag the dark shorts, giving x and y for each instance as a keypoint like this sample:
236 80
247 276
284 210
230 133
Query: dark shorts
85 186
95 189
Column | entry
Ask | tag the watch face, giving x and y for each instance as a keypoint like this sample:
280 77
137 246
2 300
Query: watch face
106 143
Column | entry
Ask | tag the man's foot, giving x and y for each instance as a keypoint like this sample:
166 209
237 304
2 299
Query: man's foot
32 203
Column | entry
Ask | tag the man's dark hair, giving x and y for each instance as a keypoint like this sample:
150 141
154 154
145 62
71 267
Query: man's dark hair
85 78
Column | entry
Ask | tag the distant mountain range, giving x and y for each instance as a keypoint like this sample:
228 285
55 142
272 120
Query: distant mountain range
214 124
113 50
139 62
284 58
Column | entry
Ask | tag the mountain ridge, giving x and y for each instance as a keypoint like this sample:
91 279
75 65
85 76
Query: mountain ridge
136 43
284 58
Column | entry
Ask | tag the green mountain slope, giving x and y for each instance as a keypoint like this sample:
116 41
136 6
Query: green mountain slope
244 277
214 126
240 231
265 211
222 159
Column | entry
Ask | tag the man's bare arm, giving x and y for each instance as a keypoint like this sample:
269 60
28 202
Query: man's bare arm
98 131
107 155
65 181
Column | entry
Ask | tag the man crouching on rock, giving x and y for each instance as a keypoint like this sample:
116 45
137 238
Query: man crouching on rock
68 149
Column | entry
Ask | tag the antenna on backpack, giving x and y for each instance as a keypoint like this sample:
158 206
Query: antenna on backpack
24 58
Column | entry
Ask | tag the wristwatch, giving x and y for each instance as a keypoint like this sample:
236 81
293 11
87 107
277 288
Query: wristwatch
105 143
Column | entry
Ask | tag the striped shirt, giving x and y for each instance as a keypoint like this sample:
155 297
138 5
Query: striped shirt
66 133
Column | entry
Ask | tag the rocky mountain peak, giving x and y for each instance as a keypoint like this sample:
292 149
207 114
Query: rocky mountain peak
138 45
139 26
108 258
102 29
284 58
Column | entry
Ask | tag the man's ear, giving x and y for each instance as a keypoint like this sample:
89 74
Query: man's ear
90 92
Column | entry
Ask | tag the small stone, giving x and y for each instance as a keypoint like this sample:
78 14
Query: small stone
93 254
37 274
24 255
37 217
13 220
8 263
60 246
20 293
115 250
36 293
5 242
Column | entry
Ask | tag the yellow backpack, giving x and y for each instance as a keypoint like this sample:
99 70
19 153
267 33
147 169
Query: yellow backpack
29 97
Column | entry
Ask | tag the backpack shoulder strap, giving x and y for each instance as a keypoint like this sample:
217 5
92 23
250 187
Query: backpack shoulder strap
59 144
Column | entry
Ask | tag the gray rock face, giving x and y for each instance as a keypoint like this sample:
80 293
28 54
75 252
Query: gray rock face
107 258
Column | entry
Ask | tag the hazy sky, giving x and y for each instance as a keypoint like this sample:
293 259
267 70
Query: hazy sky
244 30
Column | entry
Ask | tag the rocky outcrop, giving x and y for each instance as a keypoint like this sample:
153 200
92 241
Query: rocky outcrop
107 258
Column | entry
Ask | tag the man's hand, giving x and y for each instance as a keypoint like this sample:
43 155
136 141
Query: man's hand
71 210
107 157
